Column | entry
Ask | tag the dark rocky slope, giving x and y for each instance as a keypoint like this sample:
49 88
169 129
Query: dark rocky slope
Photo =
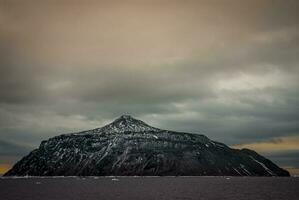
130 147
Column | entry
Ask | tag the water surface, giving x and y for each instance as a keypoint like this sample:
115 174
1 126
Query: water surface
148 188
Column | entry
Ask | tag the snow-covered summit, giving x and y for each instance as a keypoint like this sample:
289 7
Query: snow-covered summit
127 123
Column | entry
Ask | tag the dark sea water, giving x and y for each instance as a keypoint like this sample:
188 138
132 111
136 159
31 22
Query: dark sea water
145 188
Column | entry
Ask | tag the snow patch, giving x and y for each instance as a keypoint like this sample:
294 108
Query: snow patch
155 136
264 166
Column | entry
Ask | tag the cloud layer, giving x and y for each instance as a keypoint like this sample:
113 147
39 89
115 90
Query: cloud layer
227 69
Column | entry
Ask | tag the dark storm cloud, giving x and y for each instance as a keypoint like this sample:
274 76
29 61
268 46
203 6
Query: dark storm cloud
288 158
228 69
10 149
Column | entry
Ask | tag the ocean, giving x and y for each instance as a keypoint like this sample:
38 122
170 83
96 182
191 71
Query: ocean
149 188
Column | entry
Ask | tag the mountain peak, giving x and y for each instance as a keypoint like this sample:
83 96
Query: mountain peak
127 123
125 117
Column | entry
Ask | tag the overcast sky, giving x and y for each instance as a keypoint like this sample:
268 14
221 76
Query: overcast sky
228 69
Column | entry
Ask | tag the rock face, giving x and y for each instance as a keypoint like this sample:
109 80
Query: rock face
129 146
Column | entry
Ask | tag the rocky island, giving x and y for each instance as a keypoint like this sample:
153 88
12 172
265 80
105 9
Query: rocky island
130 147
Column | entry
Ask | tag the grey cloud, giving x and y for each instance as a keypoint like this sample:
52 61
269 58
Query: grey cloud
11 149
286 158
67 67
